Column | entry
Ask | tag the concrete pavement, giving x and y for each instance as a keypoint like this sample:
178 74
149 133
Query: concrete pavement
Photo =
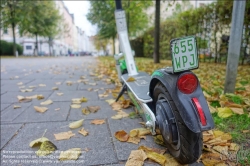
22 125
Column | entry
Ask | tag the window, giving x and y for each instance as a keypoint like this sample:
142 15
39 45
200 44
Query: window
28 47
5 31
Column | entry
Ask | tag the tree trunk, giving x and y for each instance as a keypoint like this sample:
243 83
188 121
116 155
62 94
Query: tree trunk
157 32
113 45
36 46
14 38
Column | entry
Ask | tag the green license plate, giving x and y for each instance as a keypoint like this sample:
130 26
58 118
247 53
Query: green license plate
184 54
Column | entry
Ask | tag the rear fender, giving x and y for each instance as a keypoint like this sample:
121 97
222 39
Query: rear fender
182 101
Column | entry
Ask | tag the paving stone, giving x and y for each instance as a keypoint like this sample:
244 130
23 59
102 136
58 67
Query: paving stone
69 95
10 113
4 106
98 142
123 149
30 115
9 131
105 111
98 85
14 82
11 97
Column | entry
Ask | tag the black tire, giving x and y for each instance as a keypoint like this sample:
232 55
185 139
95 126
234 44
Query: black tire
189 146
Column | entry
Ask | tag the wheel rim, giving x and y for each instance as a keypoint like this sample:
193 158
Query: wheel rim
166 122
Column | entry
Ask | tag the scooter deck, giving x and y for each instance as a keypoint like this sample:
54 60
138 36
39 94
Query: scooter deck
140 87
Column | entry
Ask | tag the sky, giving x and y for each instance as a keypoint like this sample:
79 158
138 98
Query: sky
80 10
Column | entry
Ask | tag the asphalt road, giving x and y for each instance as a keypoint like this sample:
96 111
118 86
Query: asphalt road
22 125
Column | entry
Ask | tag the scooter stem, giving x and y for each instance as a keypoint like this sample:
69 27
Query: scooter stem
121 26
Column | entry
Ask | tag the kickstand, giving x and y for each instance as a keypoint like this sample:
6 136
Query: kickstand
124 88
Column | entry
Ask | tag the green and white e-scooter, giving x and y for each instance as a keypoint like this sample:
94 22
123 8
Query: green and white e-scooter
171 99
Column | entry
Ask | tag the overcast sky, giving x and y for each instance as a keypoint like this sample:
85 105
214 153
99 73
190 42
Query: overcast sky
80 10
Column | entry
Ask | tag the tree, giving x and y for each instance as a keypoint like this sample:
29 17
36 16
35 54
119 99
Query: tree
101 44
11 15
101 14
41 20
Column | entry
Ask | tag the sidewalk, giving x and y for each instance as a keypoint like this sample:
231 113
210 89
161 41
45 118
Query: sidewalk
22 125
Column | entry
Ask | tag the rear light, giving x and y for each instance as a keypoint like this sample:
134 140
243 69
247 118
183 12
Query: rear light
187 83
200 111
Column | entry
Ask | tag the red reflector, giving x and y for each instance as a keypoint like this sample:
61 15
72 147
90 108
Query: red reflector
200 111
187 83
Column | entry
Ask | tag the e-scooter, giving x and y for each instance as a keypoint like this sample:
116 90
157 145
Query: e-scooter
171 99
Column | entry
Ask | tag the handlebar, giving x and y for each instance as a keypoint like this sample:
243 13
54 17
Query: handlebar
118 4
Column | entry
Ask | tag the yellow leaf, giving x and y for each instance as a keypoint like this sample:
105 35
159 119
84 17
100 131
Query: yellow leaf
237 110
143 131
46 148
76 124
39 97
69 83
76 101
85 111
159 140
75 106
133 133
41 85
47 102
55 88
110 101
170 161
134 140
90 89
136 158
159 158
234 147
221 149
38 141
121 135
224 112
117 116
218 133
16 106
59 94
131 79
40 109
64 135
83 132
20 98
148 149
98 121
58 83
83 99
71 154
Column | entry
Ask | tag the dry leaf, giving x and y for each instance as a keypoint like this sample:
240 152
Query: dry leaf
93 109
76 124
116 106
20 83
58 83
83 132
40 97
237 110
83 99
125 103
133 133
75 106
46 148
110 101
121 135
143 131
69 83
71 154
136 158
98 121
59 94
131 79
234 147
57 109
221 149
16 106
147 149
224 112
55 88
85 111
159 140
90 89
218 133
40 109
38 141
47 102
76 101
245 131
20 98
159 158
41 85
134 140
117 116
64 135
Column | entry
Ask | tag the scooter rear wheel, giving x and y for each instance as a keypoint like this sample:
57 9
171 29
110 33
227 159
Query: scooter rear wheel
182 143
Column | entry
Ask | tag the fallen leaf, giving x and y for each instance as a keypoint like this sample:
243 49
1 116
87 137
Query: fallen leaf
143 131
83 99
134 140
116 106
131 79
40 109
245 131
76 101
58 83
136 158
221 149
40 97
170 161
133 133
64 135
57 109
117 116
121 135
16 106
83 132
59 94
75 106
234 147
32 86
237 110
159 158
69 83
98 121
159 140
47 102
218 133
224 112
148 149
125 103
20 98
20 83
46 148
90 89
76 124
38 142
41 85
110 101
93 109
55 88
85 111
103 95
71 154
